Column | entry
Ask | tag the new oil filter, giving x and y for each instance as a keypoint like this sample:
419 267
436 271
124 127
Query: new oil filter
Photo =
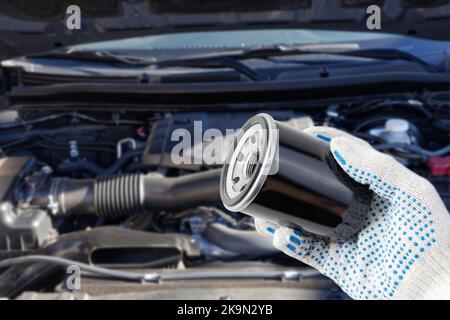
279 174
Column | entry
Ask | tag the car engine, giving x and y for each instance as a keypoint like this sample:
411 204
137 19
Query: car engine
102 187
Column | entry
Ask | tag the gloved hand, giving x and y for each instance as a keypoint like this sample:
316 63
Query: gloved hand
402 250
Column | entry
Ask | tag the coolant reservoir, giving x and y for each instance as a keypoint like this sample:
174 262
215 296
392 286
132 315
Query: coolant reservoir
394 131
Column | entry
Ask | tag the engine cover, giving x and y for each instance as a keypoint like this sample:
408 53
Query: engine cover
162 140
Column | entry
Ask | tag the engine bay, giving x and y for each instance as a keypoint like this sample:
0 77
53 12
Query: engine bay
102 187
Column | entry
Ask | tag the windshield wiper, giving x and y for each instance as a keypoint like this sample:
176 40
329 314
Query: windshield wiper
387 54
218 61
99 55
232 58
288 50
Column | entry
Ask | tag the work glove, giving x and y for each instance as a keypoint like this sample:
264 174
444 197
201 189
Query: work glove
402 250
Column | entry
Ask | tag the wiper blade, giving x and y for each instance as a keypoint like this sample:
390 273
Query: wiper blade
140 61
99 55
216 62
288 50
231 59
383 54
390 54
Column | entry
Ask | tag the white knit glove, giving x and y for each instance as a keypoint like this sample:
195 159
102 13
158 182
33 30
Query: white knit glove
403 248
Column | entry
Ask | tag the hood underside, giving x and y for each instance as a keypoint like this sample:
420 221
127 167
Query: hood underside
28 27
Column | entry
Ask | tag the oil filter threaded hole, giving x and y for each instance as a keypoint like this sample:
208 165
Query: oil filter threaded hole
252 162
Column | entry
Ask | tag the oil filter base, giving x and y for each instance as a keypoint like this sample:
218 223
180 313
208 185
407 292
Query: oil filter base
288 177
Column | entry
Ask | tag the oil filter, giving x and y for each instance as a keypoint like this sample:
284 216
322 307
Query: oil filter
279 174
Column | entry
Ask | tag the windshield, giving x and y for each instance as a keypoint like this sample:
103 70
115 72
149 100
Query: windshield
179 45
234 39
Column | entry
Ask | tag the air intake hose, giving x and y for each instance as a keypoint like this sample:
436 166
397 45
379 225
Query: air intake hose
124 195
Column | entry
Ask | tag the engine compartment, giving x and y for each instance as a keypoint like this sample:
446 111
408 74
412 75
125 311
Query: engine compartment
102 187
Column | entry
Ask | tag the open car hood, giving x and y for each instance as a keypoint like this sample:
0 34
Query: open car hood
28 27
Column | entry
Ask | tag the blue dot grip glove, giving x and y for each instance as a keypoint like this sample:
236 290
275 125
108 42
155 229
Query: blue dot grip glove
402 251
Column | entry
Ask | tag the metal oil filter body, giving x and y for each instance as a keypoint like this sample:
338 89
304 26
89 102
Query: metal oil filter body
289 177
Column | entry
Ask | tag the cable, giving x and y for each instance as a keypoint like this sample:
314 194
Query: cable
91 167
415 149
125 275
79 143
63 115
56 148
54 132
157 277
243 242
393 104
378 119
